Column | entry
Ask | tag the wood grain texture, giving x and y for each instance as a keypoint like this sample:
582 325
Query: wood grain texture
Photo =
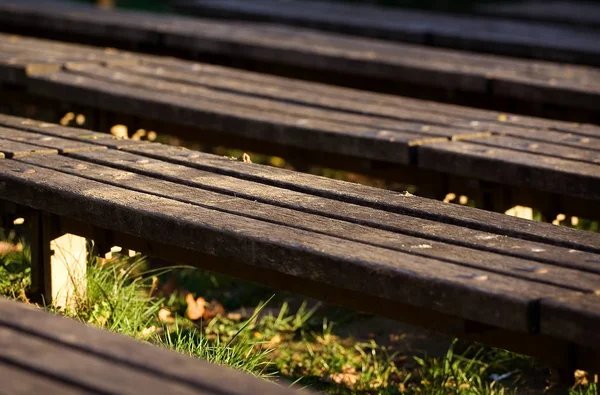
375 198
510 167
236 197
393 275
81 359
15 149
60 144
327 52
319 186
575 318
328 131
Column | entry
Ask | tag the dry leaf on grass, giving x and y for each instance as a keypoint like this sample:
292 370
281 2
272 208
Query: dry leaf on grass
244 158
348 377
195 307
166 316
199 309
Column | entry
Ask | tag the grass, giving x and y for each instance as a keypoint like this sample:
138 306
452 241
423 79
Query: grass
276 337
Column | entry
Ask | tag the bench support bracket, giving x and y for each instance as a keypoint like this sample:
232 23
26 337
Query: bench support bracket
58 262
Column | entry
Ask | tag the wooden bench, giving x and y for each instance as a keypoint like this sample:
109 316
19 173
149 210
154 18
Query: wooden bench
498 160
466 32
522 285
45 353
535 88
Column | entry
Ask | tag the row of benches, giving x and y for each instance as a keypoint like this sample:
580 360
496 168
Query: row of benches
539 88
525 286
510 282
498 160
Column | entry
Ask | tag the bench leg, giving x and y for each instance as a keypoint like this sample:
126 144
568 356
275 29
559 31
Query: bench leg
58 263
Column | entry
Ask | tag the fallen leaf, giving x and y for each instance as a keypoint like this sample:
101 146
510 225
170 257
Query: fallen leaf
275 340
348 376
195 307
147 332
244 158
165 316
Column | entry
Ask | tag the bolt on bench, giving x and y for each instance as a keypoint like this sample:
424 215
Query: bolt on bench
498 160
522 285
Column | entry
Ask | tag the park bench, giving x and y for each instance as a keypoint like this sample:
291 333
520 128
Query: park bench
459 31
536 88
498 160
46 354
522 285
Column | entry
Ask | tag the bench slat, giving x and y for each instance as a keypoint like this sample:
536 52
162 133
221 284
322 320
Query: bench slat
542 148
42 140
518 168
347 58
372 271
576 318
102 362
242 201
22 381
14 149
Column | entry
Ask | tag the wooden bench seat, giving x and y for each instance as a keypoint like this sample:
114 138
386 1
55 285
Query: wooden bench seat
466 32
45 353
536 88
550 165
489 277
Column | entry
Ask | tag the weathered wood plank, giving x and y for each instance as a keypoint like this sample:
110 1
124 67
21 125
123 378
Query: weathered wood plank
14 149
510 167
21 381
401 64
544 149
41 140
495 36
418 133
80 137
83 359
575 318
331 208
374 197
299 131
392 275
241 201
